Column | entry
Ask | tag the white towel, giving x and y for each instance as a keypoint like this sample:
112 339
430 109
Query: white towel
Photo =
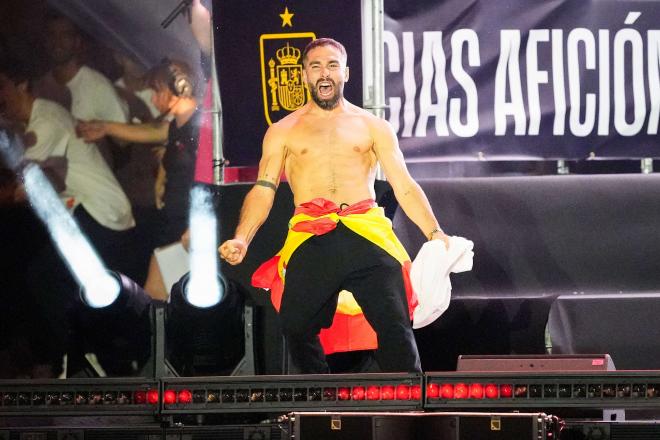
429 276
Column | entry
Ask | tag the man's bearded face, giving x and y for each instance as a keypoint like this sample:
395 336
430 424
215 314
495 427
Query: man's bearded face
326 73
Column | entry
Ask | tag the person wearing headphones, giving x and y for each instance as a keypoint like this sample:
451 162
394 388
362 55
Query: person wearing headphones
174 96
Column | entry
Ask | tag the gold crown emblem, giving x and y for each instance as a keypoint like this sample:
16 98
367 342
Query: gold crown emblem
288 54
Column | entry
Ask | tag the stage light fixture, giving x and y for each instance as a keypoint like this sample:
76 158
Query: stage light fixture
119 334
506 390
153 397
387 392
99 396
205 340
169 397
373 392
271 395
446 391
358 393
403 392
255 393
184 396
476 391
129 295
186 285
432 391
491 391
140 397
461 391
416 392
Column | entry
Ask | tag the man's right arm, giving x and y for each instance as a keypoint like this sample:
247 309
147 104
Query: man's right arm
259 200
149 133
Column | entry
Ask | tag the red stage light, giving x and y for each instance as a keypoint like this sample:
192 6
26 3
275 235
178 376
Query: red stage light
140 397
373 392
506 391
416 392
387 392
185 396
433 391
152 397
403 392
461 391
169 397
447 391
358 393
476 391
344 394
491 391
520 391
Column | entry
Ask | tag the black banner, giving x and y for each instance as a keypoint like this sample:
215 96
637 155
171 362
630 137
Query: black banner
259 56
521 79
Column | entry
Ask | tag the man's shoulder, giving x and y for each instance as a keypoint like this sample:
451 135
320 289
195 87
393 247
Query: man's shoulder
366 114
367 118
93 77
292 118
49 112
285 124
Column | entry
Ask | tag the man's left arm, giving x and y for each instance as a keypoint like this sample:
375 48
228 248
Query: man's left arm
408 193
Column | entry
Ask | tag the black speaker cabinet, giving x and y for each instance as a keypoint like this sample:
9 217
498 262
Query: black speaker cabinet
422 426
558 362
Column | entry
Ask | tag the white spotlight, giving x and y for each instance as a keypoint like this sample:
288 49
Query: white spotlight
100 288
78 254
204 288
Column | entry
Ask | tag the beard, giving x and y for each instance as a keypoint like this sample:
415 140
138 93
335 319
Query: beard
327 103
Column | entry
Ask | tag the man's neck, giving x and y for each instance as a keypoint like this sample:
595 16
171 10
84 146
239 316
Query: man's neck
63 73
316 110
183 110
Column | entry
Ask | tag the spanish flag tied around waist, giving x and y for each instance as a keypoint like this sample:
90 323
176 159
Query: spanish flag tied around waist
349 330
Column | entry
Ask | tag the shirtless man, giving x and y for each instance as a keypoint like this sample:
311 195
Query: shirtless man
329 150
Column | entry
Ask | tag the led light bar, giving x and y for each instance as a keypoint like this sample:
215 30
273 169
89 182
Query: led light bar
80 397
363 392
612 389
290 393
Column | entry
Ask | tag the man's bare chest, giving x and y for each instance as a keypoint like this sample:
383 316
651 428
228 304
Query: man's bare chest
335 139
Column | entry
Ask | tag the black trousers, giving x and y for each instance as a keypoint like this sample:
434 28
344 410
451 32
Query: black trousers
318 270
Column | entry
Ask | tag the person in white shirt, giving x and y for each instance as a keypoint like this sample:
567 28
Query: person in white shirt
93 96
87 186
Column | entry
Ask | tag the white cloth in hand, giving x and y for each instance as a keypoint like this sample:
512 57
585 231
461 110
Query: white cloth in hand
429 276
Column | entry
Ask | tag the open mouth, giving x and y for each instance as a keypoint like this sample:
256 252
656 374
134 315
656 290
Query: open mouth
325 89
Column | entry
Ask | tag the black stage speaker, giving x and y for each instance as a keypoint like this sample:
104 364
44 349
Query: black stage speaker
550 362
422 426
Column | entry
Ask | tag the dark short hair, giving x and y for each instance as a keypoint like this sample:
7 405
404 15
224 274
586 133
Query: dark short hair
324 42
168 73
